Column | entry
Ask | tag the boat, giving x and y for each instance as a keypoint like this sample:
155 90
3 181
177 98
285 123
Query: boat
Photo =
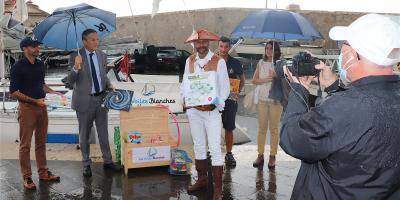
63 123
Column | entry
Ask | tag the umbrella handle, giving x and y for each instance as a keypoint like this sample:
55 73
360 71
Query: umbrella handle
79 65
76 34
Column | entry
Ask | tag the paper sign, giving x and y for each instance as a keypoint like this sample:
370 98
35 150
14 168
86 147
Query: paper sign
202 89
151 154
57 101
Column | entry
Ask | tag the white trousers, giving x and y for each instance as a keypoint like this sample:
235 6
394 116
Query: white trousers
205 127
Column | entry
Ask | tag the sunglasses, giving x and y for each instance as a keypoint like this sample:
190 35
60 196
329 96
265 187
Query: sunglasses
341 43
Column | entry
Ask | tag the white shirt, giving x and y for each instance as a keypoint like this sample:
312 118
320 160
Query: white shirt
223 85
96 66
263 72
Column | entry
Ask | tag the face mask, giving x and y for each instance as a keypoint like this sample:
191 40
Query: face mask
342 71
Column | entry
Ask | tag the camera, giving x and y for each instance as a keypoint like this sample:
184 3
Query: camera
303 64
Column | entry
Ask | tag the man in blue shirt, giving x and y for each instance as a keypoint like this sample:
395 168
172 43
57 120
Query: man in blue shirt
28 86
235 72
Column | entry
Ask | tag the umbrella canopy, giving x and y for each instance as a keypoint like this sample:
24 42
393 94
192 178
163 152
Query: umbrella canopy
277 25
63 28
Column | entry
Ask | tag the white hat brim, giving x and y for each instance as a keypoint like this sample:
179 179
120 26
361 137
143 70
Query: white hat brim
339 33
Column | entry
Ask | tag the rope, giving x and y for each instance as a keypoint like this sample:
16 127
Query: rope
175 121
130 8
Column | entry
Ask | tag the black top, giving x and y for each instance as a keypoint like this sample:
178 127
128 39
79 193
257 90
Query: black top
348 144
234 68
28 78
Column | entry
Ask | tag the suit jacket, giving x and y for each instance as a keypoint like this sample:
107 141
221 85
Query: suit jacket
82 80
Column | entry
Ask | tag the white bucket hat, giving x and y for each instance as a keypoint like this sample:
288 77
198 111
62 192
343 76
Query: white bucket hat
374 36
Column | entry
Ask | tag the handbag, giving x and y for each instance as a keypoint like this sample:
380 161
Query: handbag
248 101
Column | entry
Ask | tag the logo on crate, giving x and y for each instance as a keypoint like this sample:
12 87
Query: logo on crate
157 139
151 154
135 137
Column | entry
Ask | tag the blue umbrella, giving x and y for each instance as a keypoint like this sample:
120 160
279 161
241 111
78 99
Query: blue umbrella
276 25
63 28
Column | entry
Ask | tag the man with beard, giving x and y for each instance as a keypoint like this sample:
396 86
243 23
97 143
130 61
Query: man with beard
28 86
205 121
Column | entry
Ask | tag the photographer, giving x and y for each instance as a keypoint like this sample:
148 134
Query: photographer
348 144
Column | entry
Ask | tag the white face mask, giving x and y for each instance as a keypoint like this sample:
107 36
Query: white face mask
343 69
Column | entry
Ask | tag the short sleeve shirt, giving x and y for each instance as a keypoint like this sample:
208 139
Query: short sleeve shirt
234 67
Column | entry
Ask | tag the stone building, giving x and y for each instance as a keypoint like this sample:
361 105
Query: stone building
35 14
171 29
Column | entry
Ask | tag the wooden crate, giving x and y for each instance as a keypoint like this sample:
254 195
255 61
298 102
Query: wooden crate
155 146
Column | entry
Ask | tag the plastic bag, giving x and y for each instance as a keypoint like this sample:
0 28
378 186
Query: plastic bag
181 164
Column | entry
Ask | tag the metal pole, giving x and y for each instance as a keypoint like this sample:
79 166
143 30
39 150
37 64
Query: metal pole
2 60
266 3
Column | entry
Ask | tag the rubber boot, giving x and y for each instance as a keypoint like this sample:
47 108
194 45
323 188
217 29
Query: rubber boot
201 183
217 179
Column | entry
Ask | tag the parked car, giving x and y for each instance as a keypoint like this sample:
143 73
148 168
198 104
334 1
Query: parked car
171 60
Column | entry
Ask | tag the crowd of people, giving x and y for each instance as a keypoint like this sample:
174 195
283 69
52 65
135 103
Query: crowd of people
347 141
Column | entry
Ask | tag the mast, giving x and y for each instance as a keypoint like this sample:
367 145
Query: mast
2 61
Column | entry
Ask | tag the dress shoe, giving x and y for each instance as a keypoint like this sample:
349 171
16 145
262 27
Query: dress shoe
87 172
111 167
50 177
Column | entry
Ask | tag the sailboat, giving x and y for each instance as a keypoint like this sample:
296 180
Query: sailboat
147 92
63 123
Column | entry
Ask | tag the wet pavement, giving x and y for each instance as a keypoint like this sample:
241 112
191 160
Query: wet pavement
242 182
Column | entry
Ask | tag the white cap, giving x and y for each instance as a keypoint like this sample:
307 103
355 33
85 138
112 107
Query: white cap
375 37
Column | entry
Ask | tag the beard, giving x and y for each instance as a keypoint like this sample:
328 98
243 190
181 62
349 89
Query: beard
202 50
35 53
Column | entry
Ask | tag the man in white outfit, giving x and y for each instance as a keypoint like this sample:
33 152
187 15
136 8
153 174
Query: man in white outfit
205 121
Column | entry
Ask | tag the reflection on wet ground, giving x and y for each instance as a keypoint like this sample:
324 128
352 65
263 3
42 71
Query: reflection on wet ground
242 182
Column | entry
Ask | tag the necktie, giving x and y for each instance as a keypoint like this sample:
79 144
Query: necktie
94 75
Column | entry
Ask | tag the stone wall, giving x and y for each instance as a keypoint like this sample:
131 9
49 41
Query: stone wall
171 29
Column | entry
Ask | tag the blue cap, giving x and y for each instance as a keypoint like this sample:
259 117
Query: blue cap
29 42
